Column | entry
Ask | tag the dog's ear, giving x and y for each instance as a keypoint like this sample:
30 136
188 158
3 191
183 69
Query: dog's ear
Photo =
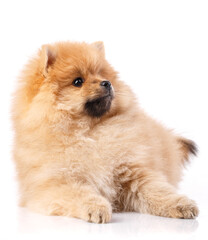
99 46
48 57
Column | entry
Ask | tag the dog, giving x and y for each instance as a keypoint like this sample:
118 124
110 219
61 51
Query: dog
83 147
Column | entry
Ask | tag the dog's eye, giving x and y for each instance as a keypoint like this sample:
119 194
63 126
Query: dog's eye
78 82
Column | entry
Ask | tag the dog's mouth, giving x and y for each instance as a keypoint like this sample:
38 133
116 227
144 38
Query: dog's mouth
99 106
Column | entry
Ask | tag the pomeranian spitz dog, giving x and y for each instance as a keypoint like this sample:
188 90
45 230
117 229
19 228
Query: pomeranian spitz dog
83 147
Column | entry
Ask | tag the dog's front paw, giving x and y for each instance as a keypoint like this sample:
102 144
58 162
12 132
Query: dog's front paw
184 208
97 211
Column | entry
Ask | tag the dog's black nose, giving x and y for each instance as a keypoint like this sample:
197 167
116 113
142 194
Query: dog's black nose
106 84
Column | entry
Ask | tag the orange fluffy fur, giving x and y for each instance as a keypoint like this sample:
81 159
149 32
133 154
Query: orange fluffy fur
72 164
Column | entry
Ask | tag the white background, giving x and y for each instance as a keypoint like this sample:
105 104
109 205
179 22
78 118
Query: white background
160 49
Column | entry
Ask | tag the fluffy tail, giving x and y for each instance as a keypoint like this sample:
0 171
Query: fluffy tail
188 147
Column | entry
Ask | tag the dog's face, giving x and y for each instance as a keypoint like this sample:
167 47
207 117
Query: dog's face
82 79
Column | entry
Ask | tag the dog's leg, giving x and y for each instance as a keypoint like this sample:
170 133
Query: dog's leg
149 192
73 199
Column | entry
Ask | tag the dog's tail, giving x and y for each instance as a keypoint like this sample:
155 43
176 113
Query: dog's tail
188 147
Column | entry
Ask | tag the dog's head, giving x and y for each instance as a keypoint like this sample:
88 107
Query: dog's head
73 79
